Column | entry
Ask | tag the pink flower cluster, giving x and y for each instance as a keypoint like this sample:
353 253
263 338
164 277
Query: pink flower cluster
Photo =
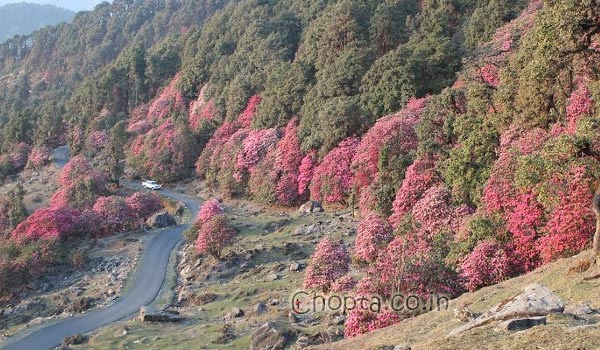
329 262
487 264
38 157
374 234
332 179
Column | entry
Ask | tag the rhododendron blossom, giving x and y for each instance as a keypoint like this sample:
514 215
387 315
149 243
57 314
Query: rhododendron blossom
201 110
579 104
374 233
113 213
419 177
362 321
214 235
306 170
38 157
332 179
343 284
169 100
329 262
244 120
210 209
254 147
47 223
97 139
487 264
143 204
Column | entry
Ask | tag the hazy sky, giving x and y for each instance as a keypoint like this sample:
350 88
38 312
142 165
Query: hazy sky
75 5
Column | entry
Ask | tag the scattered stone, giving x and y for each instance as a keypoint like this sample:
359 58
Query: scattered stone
295 266
402 347
272 277
579 309
150 314
161 220
227 335
260 308
535 300
306 230
311 207
235 313
269 337
521 324
274 302
338 320
464 315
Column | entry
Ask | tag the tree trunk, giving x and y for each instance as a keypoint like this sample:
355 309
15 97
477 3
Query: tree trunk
596 243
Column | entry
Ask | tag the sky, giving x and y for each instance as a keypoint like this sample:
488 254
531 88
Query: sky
75 5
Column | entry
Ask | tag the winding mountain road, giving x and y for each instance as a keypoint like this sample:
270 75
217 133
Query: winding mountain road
147 282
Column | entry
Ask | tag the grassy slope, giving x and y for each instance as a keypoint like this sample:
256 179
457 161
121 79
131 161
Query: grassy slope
429 331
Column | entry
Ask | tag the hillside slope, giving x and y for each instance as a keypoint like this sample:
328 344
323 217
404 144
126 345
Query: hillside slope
24 18
562 331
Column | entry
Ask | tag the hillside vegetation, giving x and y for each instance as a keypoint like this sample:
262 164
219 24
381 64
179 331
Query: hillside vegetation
464 132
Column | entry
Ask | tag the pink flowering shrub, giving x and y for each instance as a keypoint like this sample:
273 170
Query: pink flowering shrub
254 147
571 223
19 155
343 284
329 262
244 120
580 103
361 321
374 233
113 214
97 139
332 179
306 170
214 235
210 209
143 204
201 110
420 176
210 154
165 153
169 101
80 184
487 264
523 222
47 224
490 75
39 157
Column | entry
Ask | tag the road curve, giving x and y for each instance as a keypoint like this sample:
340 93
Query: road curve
147 282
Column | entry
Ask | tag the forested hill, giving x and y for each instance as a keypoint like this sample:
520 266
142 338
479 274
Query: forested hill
24 18
73 5
465 131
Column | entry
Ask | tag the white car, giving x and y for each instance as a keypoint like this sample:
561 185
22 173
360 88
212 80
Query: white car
151 185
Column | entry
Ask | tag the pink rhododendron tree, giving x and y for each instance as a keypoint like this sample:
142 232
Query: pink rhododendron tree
169 101
580 103
47 223
244 120
214 235
419 177
143 204
343 284
571 223
523 222
80 184
210 209
254 147
374 234
97 139
329 262
361 321
19 155
306 170
39 157
202 110
487 264
332 179
113 214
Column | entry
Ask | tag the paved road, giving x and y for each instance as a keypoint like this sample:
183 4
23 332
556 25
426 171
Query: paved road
146 285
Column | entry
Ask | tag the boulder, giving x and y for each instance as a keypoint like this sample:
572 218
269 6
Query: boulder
260 308
161 220
269 337
311 207
74 340
534 300
150 314
306 230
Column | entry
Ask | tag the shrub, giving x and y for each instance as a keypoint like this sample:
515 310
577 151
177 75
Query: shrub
306 170
47 223
374 233
214 235
329 262
210 209
487 264
332 179
143 204
38 157
113 214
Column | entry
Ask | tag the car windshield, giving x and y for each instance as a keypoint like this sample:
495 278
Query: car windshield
151 182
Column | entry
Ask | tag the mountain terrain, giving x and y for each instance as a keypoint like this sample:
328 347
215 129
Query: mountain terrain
24 18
